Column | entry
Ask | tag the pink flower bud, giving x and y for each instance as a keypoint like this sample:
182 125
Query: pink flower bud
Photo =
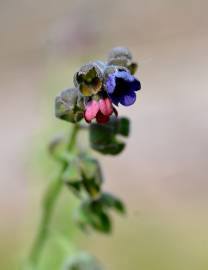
91 111
105 106
101 110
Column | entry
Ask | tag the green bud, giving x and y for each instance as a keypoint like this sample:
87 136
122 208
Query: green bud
82 261
121 56
89 78
120 52
69 105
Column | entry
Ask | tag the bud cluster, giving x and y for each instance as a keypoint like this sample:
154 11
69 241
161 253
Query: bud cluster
99 87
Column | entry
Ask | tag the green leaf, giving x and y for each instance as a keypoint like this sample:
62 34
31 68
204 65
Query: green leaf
83 173
91 175
113 148
102 222
103 138
91 214
112 201
123 127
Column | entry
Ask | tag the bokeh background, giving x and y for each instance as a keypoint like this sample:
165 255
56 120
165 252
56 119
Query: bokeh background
162 175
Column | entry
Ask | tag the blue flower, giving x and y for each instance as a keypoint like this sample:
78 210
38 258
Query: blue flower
121 87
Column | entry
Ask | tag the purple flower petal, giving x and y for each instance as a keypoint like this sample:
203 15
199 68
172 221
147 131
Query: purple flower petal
115 99
124 75
111 83
121 87
135 85
128 99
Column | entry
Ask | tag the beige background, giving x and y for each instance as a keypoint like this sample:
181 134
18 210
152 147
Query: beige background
163 173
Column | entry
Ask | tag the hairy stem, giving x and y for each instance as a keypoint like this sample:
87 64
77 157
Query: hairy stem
49 203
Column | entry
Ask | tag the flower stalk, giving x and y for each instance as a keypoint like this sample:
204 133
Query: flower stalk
99 86
49 202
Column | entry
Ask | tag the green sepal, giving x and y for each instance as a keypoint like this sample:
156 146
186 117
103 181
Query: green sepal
133 66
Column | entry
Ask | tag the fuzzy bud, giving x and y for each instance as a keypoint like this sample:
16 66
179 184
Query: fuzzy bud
69 105
121 56
82 261
89 78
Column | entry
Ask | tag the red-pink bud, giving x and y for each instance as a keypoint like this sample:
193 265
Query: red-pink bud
91 111
101 118
105 106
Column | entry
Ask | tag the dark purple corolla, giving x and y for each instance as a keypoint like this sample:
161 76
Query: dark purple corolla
121 87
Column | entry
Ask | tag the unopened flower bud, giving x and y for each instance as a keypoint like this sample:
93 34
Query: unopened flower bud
100 110
120 52
89 78
69 105
121 56
82 261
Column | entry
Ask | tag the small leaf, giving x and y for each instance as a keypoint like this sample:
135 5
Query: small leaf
114 148
91 214
103 138
100 220
102 223
123 127
91 175
111 201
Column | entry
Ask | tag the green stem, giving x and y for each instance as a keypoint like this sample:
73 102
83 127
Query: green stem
49 202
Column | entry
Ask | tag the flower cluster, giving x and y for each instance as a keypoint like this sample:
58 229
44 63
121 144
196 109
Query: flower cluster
99 86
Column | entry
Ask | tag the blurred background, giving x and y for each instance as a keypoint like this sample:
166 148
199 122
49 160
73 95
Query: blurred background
162 175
